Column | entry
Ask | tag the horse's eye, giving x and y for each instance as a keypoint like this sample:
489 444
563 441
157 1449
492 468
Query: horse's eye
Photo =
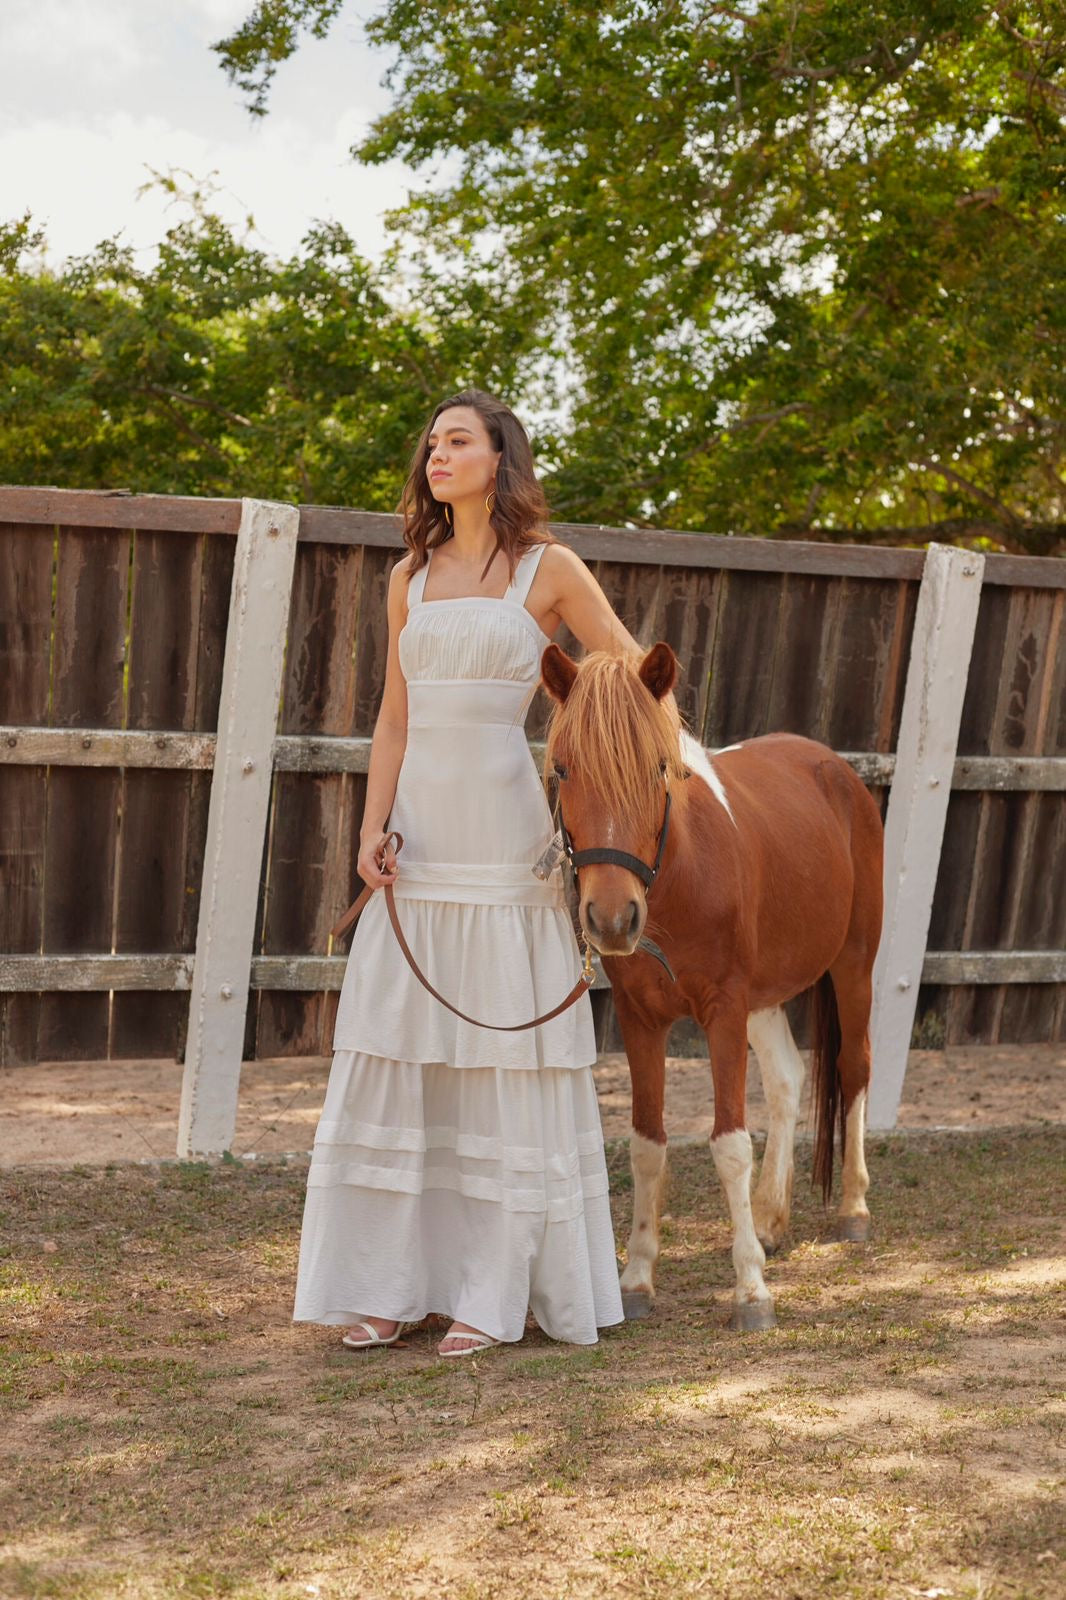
560 771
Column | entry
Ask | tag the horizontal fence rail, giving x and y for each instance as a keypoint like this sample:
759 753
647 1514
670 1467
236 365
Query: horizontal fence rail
300 973
337 525
102 747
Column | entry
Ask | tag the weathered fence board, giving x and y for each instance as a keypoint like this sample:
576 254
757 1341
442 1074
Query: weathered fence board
25 668
216 580
130 973
155 806
742 664
103 747
81 828
1002 849
312 822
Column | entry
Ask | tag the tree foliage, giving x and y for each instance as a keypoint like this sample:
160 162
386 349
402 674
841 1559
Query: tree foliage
221 370
793 266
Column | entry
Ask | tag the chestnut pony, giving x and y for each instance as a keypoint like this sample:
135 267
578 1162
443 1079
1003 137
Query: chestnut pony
769 883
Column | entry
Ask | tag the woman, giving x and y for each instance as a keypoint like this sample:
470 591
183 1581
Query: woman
457 1169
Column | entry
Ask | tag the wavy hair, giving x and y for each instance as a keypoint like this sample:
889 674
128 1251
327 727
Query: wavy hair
519 512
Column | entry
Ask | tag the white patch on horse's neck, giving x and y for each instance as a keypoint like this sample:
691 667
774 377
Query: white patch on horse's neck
696 757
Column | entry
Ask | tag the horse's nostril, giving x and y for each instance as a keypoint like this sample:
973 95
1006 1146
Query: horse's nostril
634 916
590 919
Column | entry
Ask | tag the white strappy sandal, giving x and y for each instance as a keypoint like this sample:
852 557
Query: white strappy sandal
373 1336
480 1341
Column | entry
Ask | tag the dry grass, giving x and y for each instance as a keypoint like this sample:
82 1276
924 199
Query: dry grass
169 1432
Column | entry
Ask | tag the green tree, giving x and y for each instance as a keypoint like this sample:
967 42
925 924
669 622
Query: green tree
794 267
220 370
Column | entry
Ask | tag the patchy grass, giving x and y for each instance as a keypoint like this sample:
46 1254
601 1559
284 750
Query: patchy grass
168 1431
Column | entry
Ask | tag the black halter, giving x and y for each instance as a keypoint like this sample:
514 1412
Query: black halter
617 858
622 858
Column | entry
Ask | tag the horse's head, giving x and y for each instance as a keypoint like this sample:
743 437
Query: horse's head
613 746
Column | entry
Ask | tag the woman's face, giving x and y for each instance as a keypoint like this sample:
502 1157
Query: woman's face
460 460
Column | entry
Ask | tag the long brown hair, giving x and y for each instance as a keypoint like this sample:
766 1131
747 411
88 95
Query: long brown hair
519 511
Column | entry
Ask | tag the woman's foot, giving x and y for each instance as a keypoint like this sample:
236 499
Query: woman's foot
371 1331
461 1339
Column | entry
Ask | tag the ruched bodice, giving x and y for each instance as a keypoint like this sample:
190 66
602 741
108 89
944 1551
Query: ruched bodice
469 793
442 643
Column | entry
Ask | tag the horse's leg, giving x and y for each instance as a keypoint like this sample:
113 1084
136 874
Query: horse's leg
646 1050
853 986
731 1149
781 1066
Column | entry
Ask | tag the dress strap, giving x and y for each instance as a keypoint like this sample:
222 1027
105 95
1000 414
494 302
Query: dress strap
525 572
417 585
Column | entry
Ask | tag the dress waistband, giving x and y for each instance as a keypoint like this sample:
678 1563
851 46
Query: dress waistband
472 883
439 702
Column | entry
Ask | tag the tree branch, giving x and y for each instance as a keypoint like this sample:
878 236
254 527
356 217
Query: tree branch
985 498
196 400
197 437
881 52
1035 81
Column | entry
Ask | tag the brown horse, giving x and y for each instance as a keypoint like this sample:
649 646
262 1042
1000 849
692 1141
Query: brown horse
765 880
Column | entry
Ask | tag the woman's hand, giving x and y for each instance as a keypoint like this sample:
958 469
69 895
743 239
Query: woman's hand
375 854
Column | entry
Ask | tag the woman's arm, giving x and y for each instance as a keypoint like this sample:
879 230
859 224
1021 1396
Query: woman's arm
388 744
578 599
586 610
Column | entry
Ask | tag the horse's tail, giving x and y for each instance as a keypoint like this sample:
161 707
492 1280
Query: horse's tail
828 1100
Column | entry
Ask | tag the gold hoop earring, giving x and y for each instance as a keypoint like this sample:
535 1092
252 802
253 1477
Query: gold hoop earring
447 514
490 496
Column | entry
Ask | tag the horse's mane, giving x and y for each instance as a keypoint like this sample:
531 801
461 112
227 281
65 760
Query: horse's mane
613 729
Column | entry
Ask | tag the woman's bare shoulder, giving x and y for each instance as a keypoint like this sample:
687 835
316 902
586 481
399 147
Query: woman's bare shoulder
403 567
560 564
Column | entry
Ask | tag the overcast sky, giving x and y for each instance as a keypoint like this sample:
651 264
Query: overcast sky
98 91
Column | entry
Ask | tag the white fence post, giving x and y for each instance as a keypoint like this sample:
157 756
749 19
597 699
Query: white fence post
236 825
917 807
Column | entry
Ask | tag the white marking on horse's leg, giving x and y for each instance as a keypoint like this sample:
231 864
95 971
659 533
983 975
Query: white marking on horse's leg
855 1178
781 1067
648 1161
732 1157
696 757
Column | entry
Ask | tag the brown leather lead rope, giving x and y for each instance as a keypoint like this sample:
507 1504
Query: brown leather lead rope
581 987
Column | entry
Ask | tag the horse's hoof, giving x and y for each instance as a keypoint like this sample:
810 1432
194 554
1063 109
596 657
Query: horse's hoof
853 1230
753 1316
636 1304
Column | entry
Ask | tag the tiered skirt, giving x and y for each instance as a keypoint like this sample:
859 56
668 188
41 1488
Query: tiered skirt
465 1175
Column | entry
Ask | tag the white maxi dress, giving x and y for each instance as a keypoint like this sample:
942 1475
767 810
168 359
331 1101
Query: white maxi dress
456 1169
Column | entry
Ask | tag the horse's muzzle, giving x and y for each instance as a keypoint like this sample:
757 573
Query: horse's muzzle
614 932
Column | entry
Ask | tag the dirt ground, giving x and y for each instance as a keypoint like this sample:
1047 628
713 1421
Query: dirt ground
168 1433
75 1112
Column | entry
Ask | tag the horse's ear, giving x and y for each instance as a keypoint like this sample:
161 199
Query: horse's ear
558 672
658 670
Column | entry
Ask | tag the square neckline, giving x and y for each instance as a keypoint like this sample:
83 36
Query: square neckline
422 601
505 599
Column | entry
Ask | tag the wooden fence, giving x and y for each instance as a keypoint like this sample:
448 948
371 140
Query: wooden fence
120 616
